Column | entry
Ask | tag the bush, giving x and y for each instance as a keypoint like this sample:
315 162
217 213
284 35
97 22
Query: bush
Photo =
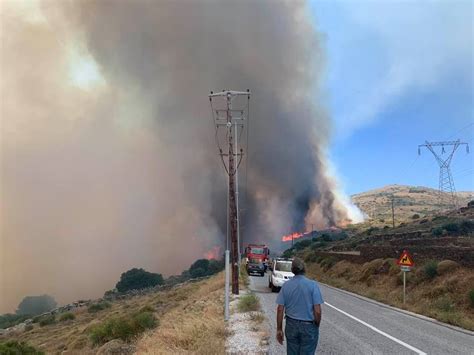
302 244
446 266
9 320
288 253
34 305
136 279
326 237
431 269
124 328
444 304
144 320
452 227
437 231
471 297
415 216
67 316
28 327
96 307
328 262
248 303
310 258
13 347
47 320
466 226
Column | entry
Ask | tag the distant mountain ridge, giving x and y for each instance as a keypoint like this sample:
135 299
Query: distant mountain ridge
408 202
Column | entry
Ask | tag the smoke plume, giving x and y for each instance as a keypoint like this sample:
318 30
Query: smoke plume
107 147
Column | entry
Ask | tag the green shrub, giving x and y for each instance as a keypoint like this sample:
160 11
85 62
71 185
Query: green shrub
13 347
288 253
328 262
248 303
431 269
124 328
310 258
437 231
467 226
452 227
144 320
96 307
415 216
28 327
326 237
444 304
302 244
471 297
67 316
9 320
136 279
47 320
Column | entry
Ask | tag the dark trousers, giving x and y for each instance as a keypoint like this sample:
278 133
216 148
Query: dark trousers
301 338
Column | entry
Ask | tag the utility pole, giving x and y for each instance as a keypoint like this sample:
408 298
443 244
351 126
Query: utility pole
231 119
446 182
393 213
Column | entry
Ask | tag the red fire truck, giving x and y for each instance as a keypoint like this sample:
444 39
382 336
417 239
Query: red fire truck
257 254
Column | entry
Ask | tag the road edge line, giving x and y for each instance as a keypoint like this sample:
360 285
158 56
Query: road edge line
409 313
391 337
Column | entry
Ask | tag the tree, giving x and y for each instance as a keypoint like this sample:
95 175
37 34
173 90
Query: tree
135 279
34 305
199 268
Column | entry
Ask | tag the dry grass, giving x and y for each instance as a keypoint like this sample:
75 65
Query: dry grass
192 304
445 297
195 325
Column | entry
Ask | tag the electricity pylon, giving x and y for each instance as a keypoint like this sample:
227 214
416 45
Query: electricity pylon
231 119
446 182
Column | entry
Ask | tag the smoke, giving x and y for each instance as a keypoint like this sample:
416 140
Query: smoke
107 148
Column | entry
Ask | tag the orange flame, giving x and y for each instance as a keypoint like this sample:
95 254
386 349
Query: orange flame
214 253
290 237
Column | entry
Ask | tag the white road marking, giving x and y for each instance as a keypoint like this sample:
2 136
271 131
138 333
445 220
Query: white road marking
418 351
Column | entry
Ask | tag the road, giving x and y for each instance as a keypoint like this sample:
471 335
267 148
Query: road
351 325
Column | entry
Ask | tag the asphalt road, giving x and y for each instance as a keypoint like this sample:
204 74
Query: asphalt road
351 325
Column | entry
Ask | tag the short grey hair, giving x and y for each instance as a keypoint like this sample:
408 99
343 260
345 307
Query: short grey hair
297 266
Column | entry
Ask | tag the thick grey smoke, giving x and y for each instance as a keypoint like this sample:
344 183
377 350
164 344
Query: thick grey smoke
124 173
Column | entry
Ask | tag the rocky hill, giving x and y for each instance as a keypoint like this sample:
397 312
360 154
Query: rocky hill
408 202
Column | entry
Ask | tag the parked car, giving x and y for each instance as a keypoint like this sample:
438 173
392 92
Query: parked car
281 272
255 266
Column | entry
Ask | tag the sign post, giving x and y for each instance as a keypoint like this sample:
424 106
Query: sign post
406 263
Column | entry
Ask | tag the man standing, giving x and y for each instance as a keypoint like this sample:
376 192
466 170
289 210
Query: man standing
300 299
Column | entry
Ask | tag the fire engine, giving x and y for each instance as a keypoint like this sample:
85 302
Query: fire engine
257 254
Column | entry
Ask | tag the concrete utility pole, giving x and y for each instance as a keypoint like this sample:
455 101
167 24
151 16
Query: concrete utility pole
446 182
231 119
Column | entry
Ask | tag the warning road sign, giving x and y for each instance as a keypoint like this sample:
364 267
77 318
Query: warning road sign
405 259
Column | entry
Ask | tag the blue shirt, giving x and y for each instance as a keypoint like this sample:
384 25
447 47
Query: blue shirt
298 296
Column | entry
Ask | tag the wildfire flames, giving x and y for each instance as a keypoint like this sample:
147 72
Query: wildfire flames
214 253
293 236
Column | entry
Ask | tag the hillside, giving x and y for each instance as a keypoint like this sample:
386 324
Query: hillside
120 325
408 201
362 257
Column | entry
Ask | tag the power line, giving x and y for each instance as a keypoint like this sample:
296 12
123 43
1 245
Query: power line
446 182
230 119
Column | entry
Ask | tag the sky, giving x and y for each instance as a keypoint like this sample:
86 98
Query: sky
398 73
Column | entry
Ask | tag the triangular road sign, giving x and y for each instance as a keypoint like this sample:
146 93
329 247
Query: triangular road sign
405 259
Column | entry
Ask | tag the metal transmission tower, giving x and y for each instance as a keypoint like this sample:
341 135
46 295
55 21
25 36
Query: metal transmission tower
446 183
232 119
